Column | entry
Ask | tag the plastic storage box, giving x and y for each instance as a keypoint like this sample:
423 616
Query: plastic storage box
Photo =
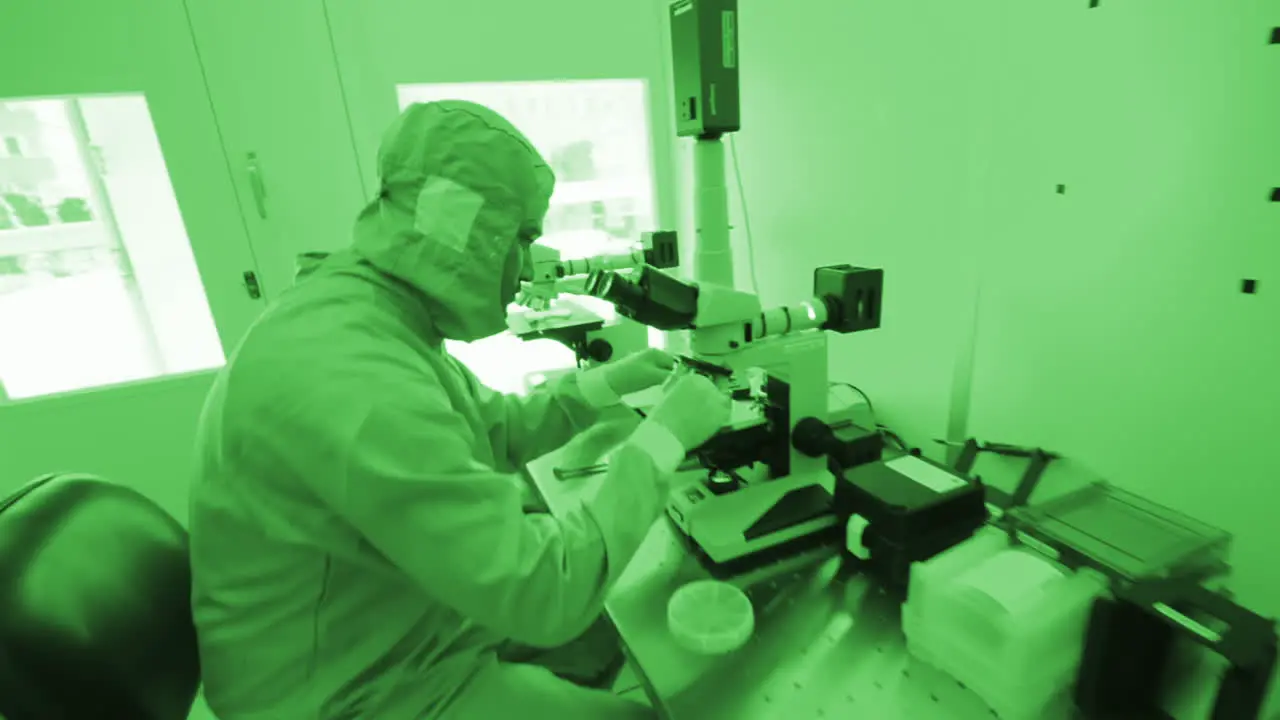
1008 623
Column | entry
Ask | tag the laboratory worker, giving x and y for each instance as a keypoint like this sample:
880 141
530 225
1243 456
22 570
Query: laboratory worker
360 544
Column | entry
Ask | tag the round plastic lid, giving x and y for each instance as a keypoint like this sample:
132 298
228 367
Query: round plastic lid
710 617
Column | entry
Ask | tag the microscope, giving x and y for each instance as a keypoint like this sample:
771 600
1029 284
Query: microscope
776 358
551 313
735 520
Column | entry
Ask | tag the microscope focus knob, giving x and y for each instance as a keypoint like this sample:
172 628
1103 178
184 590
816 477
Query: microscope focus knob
599 350
816 438
813 437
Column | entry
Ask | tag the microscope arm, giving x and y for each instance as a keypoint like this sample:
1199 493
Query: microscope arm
592 340
846 299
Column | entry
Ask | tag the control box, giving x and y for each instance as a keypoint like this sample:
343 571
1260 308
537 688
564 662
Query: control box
907 510
704 56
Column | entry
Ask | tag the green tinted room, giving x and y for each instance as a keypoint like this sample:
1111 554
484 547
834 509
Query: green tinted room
1064 215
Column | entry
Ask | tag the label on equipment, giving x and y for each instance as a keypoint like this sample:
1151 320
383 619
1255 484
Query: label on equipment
934 478
729 25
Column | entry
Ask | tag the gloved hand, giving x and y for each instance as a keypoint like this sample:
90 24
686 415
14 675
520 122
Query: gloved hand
639 371
692 409
593 444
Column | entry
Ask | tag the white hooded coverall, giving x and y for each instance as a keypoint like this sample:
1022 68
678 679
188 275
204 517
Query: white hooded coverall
358 544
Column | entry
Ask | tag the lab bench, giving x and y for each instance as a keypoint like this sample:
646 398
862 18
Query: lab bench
828 642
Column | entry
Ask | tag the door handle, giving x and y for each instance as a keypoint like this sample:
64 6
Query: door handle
256 185
252 287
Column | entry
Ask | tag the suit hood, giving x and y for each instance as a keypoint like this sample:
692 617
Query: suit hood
459 186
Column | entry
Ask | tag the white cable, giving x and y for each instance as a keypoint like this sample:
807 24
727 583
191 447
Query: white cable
746 218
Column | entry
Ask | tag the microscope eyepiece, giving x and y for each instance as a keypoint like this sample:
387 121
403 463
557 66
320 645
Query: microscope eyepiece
652 298
616 290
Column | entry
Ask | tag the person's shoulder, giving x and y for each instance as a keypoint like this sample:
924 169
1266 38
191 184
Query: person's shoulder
301 343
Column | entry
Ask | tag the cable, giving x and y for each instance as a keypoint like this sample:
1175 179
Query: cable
746 217
891 435
882 429
866 398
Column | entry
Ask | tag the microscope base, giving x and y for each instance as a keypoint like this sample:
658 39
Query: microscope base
796 553
760 524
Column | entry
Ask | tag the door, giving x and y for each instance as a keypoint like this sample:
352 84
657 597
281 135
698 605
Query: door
123 253
273 79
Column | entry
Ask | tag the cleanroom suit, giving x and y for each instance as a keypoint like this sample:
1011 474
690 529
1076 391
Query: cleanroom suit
358 544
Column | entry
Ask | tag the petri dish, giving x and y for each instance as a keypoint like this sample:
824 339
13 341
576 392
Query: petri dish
709 617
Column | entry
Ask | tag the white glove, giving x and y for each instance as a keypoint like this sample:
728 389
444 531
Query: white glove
692 409
593 444
639 371
608 384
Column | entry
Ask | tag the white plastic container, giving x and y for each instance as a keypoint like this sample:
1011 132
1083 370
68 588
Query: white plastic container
1008 623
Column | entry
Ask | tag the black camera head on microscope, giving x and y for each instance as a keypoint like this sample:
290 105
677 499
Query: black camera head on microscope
853 296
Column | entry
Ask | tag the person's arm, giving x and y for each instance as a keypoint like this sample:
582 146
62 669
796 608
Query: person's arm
395 460
523 429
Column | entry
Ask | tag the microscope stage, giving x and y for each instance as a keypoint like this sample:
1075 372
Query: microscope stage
533 325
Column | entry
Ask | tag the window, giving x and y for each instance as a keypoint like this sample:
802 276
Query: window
596 136
98 284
